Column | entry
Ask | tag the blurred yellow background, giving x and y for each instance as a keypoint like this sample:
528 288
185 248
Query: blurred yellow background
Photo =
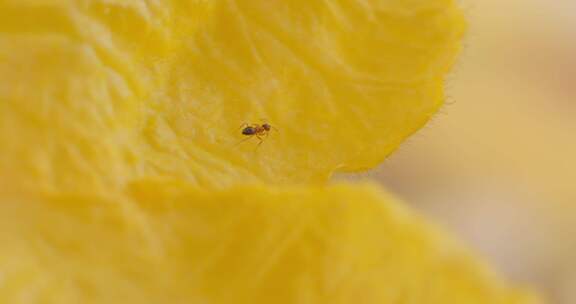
498 164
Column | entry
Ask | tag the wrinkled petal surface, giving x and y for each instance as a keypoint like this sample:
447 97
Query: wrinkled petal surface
170 243
110 91
114 114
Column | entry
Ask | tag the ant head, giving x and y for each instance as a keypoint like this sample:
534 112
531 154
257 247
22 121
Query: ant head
266 127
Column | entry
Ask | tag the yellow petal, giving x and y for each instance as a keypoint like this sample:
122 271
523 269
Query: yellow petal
98 94
109 91
170 243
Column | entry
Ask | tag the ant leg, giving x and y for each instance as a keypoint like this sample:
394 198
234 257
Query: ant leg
260 140
243 140
243 126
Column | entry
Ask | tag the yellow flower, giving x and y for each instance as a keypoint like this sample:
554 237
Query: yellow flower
122 175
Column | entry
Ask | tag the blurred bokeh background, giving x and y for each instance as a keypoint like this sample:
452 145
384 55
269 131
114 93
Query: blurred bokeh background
498 164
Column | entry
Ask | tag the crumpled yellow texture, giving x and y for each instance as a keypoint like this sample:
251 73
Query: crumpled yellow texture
115 114
110 91
258 244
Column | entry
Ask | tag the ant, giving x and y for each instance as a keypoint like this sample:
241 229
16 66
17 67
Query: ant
258 130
